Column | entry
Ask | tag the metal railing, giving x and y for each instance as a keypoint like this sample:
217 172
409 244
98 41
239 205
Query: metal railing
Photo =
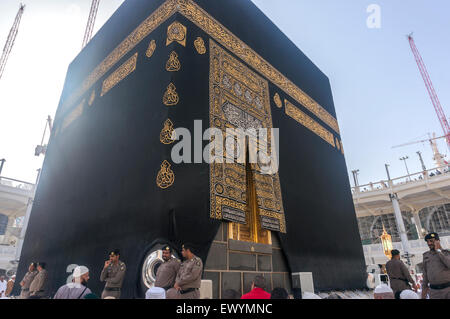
403 180
7 250
416 244
11 182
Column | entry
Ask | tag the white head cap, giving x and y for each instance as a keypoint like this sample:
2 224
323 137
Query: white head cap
382 289
408 294
155 293
80 271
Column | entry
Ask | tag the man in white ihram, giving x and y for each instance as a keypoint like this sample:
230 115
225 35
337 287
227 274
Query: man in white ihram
76 289
3 285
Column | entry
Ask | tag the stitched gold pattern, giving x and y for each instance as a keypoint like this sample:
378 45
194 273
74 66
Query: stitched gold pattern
92 98
342 148
176 32
211 26
171 96
338 145
202 19
280 217
121 73
219 188
199 45
277 100
166 10
239 98
75 114
173 64
308 122
165 177
167 135
151 49
220 201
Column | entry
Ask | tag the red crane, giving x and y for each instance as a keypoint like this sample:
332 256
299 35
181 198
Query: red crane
434 98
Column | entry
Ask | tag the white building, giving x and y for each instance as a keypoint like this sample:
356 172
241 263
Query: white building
424 200
15 196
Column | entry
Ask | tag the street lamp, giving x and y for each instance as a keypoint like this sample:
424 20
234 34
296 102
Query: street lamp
355 177
421 161
404 158
1 165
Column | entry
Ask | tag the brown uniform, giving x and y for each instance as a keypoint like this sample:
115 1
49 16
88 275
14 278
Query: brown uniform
167 273
436 272
399 275
27 279
113 275
37 286
189 278
9 287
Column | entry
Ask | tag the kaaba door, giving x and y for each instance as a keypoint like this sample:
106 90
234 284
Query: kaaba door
243 193
251 231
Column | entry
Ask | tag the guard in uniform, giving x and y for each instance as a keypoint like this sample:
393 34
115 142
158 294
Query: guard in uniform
26 281
189 277
113 273
168 270
38 285
399 275
436 269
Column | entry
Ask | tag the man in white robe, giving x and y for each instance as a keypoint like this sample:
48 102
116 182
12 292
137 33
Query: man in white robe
3 285
76 289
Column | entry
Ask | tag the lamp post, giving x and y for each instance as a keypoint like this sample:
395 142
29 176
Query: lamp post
355 177
404 158
1 165
398 218
421 161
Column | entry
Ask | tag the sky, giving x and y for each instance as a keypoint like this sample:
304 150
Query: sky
379 95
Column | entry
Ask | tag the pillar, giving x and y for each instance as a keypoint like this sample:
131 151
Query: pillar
400 224
418 223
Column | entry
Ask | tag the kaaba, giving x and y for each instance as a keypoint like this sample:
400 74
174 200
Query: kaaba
109 182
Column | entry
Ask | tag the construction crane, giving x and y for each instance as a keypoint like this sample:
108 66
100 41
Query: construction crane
434 98
11 39
91 22
437 156
421 141
42 148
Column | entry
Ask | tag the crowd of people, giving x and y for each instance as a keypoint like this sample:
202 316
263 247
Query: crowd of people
436 275
6 286
34 282
182 280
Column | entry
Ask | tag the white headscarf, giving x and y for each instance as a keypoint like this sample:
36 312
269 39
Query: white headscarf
408 294
80 271
155 293
382 289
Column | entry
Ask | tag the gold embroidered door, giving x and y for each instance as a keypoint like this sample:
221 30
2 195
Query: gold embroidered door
251 231
241 192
